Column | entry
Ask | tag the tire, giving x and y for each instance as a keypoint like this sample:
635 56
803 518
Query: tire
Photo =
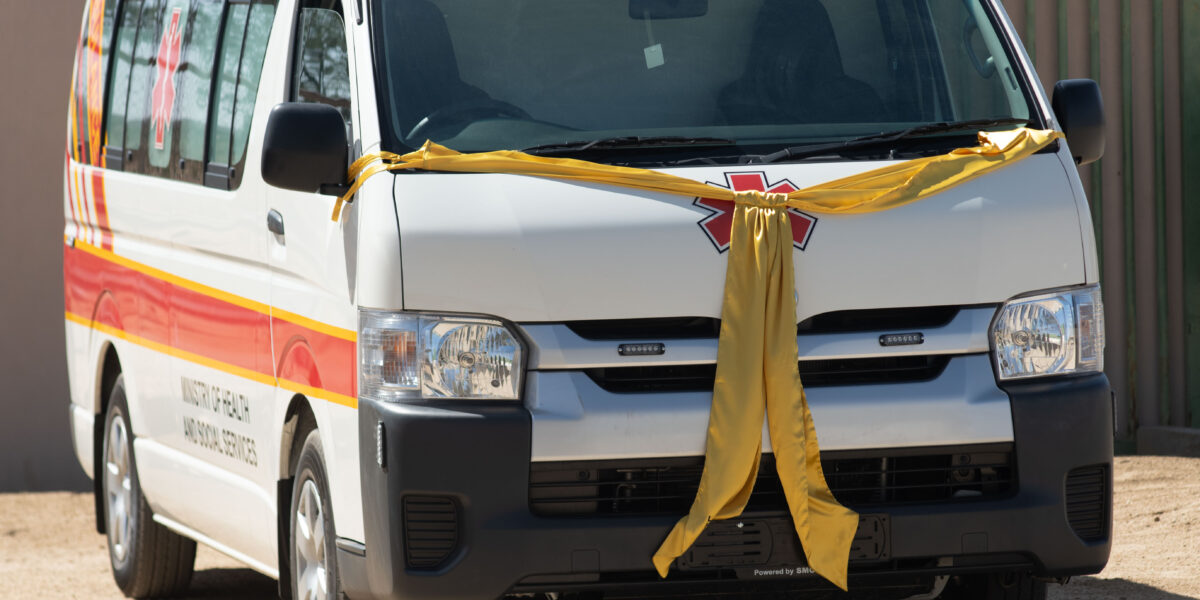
998 586
148 560
313 558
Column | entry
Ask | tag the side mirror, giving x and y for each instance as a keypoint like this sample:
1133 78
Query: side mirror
1080 111
305 148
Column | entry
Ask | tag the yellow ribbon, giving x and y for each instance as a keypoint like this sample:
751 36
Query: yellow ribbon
756 355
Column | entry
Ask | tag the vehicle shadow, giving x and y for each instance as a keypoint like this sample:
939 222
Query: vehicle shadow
1092 588
246 584
232 584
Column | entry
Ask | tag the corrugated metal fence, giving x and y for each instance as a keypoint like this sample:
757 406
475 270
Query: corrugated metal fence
1145 192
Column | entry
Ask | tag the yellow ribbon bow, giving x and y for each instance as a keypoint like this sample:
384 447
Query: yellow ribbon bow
757 356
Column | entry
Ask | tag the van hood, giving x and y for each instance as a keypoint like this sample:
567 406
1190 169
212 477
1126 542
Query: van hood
530 249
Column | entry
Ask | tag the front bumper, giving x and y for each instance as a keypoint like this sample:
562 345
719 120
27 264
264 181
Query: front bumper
478 457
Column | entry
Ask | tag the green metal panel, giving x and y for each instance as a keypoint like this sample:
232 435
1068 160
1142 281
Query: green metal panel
1097 199
1127 180
1189 35
1031 30
1160 214
1064 35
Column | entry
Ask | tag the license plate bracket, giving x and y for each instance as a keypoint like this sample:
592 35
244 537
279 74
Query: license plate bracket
757 547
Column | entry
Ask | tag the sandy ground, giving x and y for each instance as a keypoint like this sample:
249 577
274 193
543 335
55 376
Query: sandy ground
49 547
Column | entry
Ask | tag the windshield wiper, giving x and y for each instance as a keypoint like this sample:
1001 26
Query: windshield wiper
887 137
625 143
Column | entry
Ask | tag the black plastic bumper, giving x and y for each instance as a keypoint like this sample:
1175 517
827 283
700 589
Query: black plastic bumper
478 455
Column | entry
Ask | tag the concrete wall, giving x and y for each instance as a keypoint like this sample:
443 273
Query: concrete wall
37 45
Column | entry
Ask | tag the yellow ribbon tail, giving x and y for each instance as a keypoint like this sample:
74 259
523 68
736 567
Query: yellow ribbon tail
757 378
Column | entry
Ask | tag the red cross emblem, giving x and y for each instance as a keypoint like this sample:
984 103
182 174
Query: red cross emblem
164 86
719 223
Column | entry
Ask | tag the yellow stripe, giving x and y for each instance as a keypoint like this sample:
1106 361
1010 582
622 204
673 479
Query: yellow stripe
212 292
217 365
313 392
77 203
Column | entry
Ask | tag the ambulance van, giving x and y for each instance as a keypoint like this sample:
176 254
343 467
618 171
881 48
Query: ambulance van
409 380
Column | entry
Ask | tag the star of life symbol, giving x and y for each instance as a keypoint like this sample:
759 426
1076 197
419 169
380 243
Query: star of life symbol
719 224
163 100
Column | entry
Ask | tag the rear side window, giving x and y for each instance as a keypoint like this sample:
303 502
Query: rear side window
119 88
88 90
195 89
184 85
164 89
137 109
226 83
247 29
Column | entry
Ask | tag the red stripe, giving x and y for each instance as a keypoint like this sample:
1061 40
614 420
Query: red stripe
187 320
106 239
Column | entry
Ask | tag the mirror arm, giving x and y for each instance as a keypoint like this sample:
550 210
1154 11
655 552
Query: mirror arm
335 189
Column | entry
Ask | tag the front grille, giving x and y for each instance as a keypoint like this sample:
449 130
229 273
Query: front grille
1087 502
844 321
430 531
814 373
667 486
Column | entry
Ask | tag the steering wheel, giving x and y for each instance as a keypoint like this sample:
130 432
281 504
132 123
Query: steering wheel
462 114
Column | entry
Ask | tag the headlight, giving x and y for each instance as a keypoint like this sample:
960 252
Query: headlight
1052 333
415 356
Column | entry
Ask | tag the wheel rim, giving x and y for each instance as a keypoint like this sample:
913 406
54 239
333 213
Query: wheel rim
118 483
311 561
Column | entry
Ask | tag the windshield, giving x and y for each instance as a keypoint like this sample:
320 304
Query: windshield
741 74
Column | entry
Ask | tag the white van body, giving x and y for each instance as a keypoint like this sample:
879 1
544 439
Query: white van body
232 342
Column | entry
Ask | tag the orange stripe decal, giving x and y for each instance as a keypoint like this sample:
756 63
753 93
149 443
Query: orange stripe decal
208 327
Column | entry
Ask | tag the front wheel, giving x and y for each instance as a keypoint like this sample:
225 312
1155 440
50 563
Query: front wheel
314 561
148 560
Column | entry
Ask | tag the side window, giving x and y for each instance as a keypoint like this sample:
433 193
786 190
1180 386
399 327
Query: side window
258 31
239 68
183 86
164 87
195 89
88 89
118 89
141 78
321 67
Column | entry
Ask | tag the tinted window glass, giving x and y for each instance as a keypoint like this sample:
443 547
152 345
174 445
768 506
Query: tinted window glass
227 76
119 89
91 71
164 90
255 50
140 82
195 85
322 69
764 73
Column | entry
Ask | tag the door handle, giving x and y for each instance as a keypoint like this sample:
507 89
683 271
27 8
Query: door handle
275 222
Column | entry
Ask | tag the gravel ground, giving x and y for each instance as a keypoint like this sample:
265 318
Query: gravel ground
49 547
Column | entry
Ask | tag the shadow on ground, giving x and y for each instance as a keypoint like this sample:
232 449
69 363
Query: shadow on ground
245 584
232 584
1091 588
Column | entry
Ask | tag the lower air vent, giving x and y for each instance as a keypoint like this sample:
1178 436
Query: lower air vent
667 486
1088 502
430 531
813 373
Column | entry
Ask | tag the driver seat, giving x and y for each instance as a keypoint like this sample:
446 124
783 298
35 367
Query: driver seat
422 63
794 72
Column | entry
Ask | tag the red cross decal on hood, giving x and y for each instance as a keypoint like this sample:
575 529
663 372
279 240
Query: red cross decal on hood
163 100
719 223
